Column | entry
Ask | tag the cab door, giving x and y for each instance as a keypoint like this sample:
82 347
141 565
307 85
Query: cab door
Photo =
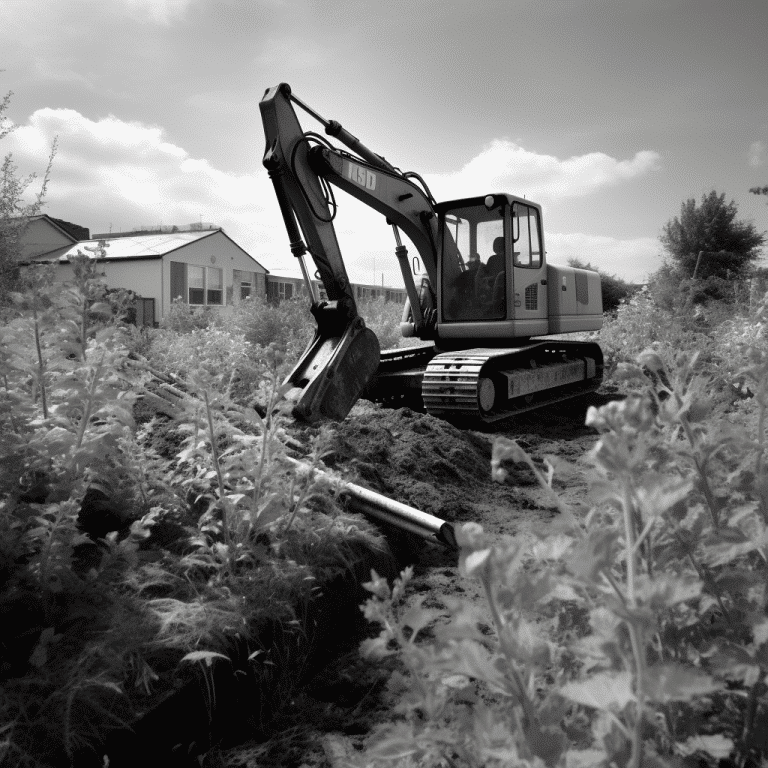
529 272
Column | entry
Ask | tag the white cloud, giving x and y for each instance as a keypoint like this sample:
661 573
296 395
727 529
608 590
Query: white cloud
128 173
758 152
504 165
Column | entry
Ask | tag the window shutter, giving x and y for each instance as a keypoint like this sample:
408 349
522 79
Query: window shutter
178 281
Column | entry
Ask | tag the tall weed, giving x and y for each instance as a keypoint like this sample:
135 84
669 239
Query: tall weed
662 583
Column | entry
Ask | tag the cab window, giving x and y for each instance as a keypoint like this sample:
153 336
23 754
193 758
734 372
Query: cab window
525 235
473 271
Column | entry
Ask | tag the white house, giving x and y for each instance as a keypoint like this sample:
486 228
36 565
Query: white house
203 268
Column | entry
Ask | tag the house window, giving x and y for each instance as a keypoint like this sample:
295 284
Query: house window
244 283
214 286
278 290
197 286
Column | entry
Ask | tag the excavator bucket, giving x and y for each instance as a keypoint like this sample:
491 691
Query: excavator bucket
333 371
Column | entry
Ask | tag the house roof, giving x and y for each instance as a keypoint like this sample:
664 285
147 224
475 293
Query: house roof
75 231
137 246
155 246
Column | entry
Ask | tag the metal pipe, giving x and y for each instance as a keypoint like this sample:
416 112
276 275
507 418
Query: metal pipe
379 507
359 499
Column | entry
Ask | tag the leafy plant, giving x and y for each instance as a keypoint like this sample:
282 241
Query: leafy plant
668 567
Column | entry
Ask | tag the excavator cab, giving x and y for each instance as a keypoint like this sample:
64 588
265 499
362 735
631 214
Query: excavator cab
491 269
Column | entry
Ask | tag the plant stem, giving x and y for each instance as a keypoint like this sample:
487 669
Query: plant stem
86 417
300 500
569 514
220 479
45 560
528 710
709 583
40 364
755 692
708 494
634 634
759 469
266 430
84 321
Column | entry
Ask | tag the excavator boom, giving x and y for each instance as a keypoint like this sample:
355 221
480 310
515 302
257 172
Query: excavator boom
343 355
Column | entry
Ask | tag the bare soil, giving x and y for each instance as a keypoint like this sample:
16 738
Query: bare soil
438 468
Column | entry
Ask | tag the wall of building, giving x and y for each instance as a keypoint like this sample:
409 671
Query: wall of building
41 237
152 278
142 276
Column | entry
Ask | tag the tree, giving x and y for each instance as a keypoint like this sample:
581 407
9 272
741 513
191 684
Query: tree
15 206
613 288
729 246
759 190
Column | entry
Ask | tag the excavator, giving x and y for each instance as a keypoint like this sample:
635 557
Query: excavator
482 301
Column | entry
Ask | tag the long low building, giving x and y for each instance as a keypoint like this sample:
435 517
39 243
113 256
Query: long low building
282 285
198 265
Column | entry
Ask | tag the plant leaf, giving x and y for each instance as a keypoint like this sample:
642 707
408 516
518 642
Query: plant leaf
206 656
609 691
674 682
417 617
718 746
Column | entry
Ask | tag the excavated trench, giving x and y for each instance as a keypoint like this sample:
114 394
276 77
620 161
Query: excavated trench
236 700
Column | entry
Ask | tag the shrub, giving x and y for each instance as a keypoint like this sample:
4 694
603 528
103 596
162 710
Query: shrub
383 318
287 326
183 318
223 356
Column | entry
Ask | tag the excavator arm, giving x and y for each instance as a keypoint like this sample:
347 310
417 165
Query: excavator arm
343 356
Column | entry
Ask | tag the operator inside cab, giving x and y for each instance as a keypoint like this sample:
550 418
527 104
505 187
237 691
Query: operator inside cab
478 291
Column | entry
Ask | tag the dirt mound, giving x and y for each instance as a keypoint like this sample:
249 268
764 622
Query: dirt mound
412 457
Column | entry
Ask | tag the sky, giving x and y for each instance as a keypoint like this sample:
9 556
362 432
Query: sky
609 113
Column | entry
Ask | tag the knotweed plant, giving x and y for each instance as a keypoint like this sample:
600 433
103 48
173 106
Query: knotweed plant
666 573
65 415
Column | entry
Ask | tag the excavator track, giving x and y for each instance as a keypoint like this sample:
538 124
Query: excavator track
483 386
